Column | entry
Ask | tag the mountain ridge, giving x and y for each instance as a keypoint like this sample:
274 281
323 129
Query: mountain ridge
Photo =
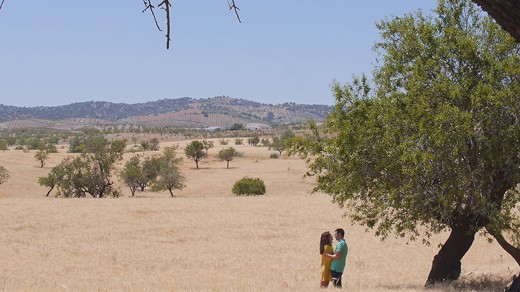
183 112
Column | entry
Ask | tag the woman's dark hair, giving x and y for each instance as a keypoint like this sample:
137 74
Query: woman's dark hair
324 240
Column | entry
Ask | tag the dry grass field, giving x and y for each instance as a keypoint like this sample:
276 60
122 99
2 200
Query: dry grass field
205 238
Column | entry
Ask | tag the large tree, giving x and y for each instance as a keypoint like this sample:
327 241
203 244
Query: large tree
432 143
88 174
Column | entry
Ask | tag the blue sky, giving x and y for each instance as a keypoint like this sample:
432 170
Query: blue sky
61 51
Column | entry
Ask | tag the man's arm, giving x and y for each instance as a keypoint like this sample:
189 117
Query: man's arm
337 255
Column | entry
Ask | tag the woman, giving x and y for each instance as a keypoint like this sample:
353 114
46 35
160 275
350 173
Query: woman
325 248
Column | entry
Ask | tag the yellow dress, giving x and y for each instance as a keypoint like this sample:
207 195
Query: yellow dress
325 263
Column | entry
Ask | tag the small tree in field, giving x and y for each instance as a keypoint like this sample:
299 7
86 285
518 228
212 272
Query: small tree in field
154 144
227 154
196 151
170 176
4 175
140 174
249 187
41 155
279 143
149 170
131 173
253 141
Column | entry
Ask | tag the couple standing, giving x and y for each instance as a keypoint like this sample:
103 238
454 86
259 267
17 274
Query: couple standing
332 259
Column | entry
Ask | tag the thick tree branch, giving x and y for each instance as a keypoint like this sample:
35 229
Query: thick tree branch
166 6
510 249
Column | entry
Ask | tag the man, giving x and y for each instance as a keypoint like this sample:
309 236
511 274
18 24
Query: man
338 258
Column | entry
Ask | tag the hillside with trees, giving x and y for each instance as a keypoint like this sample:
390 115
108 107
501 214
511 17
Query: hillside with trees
182 112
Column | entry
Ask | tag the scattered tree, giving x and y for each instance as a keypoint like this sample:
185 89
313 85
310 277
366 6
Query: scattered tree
196 151
236 127
265 142
253 141
89 173
227 154
278 143
41 155
170 176
131 173
149 171
224 141
154 144
145 145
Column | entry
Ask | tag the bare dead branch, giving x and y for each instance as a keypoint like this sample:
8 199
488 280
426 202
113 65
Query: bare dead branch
148 5
1 4
233 6
166 6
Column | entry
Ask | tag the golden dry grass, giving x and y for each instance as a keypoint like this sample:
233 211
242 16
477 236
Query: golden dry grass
205 238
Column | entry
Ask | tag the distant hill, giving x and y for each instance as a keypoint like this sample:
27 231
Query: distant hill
182 112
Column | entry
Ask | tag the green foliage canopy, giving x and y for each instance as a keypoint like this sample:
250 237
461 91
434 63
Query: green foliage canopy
197 151
248 186
227 154
170 176
433 142
88 174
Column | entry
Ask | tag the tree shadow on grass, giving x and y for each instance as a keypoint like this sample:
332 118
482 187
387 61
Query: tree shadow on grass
466 283
482 282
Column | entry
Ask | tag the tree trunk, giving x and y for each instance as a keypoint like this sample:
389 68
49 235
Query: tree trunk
49 192
514 285
446 264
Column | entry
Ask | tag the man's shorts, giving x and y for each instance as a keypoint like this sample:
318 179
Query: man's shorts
336 278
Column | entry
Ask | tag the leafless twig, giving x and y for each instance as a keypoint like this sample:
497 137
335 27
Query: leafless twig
233 6
148 5
1 4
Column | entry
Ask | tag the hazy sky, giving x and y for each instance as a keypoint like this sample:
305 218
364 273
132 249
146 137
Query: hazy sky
61 51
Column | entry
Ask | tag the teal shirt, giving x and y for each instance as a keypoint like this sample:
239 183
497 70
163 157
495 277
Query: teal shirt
338 265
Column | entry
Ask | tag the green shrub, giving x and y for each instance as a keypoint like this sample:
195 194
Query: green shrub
248 186
274 155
